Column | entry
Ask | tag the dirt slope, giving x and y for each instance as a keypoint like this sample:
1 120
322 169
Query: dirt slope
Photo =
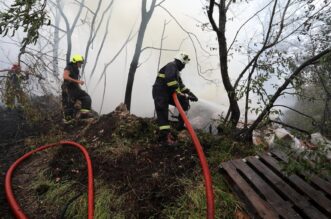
127 161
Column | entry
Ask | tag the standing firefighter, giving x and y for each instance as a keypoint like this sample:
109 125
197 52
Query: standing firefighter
167 82
13 88
72 92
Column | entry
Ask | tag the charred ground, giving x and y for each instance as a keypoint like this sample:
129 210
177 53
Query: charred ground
126 158
135 177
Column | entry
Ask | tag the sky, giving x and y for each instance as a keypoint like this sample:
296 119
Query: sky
125 16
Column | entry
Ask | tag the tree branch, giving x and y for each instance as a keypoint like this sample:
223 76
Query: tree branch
283 87
289 126
265 44
235 37
210 13
294 110
128 39
190 34
158 4
161 49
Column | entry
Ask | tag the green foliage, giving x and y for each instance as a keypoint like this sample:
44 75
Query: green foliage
50 193
59 194
192 204
107 204
307 162
135 130
29 15
314 99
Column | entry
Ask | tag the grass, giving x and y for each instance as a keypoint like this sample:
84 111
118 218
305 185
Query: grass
35 142
192 205
58 193
219 149
52 194
107 204
114 149
306 162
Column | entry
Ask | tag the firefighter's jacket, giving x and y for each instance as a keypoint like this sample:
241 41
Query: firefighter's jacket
73 73
168 80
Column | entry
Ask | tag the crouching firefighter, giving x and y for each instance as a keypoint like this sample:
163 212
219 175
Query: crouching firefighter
167 82
72 92
13 87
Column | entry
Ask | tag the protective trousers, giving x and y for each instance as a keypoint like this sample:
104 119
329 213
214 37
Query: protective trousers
69 96
161 101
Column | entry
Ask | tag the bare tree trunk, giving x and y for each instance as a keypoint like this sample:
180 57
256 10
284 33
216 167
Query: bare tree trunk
70 29
94 29
56 40
223 55
325 126
161 44
248 89
90 39
146 15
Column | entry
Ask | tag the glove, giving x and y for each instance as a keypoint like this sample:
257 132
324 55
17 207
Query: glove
192 97
183 95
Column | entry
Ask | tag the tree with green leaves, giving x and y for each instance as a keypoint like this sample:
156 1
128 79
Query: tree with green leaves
28 16
313 89
266 60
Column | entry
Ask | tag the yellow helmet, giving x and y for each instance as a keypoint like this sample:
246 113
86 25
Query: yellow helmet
77 58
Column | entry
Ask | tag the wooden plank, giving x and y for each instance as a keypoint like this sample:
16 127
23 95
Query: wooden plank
280 154
317 196
298 200
324 185
282 207
263 209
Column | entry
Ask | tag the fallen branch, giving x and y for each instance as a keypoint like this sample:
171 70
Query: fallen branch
289 126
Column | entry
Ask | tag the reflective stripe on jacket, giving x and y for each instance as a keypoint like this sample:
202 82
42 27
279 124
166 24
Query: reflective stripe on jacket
169 80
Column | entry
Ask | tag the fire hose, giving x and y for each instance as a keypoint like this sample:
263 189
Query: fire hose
17 211
203 161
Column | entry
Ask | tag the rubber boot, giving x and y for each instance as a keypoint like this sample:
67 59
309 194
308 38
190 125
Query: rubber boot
67 120
84 114
169 140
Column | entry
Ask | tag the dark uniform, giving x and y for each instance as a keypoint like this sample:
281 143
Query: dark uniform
167 82
71 92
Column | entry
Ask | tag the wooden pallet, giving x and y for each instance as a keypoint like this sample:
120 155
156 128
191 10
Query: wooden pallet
268 193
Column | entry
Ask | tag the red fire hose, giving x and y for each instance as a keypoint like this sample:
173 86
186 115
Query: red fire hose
203 161
18 212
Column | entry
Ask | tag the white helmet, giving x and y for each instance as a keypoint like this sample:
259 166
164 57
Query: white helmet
183 57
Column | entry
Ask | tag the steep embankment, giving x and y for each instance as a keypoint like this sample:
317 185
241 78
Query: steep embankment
135 177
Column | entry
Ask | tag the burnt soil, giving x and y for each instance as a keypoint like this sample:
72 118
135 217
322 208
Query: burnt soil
14 128
125 154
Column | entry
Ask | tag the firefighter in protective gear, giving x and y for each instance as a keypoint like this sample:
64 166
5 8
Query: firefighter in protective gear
13 88
167 82
71 90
